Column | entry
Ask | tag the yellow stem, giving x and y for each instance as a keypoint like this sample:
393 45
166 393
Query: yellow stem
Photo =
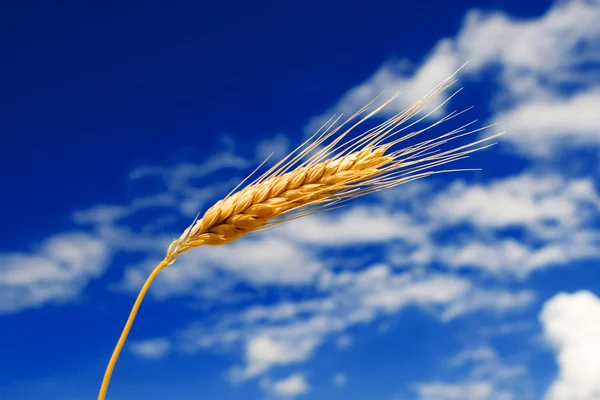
121 342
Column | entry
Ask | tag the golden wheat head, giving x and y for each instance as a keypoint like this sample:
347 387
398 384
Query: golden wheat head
320 174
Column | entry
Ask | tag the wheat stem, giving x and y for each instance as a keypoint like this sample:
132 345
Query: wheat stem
125 332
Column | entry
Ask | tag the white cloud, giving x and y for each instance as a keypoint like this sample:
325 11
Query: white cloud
178 177
500 301
571 324
383 328
108 214
151 348
264 351
340 379
276 148
343 342
119 237
485 376
292 386
283 311
265 260
55 273
269 346
545 126
355 225
531 200
101 214
507 328
184 199
391 293
508 256
478 354
196 200
460 391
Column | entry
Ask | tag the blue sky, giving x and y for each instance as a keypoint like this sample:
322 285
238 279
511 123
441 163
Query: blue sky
123 121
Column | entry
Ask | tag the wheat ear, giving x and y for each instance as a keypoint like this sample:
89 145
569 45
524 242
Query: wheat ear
320 174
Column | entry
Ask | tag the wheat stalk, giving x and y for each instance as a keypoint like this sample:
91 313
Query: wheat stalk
318 176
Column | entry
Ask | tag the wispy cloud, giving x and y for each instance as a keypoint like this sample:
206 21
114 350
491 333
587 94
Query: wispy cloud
358 225
109 214
544 126
56 272
292 386
472 390
151 348
340 379
274 148
179 176
486 377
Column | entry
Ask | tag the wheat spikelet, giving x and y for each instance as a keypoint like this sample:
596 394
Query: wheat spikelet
318 176
253 207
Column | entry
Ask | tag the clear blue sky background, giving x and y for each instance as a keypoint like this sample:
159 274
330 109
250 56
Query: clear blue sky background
120 121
